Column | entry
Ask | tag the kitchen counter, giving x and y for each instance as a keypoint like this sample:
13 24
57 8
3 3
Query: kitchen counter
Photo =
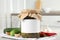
51 13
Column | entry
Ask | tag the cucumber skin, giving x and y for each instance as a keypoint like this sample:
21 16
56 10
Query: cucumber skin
10 29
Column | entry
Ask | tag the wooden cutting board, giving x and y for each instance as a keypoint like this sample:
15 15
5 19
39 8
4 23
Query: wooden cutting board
38 4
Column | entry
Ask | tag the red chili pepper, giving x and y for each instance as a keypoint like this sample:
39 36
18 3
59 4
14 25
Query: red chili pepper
50 34
43 34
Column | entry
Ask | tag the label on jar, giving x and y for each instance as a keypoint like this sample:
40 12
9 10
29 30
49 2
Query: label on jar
30 26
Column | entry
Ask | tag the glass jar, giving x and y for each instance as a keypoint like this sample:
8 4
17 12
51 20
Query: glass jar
30 28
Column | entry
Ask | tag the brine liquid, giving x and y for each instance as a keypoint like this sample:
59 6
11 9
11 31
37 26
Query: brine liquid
30 35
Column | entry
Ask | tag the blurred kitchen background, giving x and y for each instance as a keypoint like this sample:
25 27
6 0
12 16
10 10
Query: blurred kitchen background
8 9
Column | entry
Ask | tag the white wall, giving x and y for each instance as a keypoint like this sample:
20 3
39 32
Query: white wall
53 4
17 5
6 8
30 4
